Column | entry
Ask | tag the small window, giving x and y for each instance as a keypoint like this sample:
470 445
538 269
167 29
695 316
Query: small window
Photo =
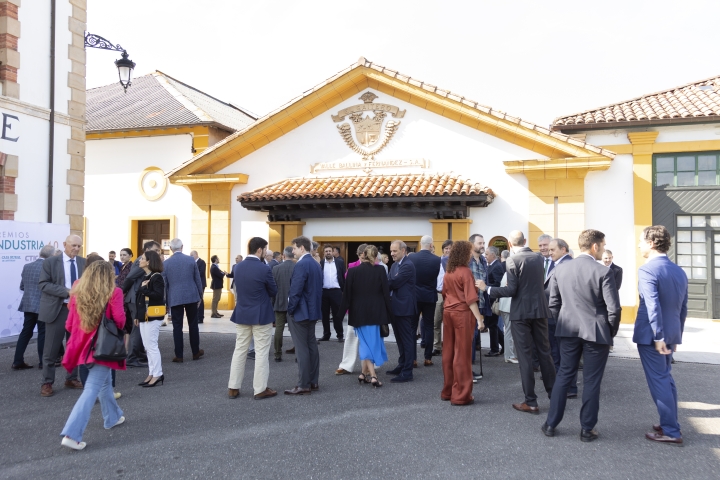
683 221
687 170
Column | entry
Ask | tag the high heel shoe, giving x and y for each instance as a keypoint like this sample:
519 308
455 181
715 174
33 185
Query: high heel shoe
362 378
375 383
160 380
142 384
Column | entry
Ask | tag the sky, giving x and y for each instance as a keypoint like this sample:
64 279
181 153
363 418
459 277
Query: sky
536 60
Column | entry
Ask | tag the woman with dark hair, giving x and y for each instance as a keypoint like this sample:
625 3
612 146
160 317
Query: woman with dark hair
126 258
366 298
151 294
459 313
216 284
92 295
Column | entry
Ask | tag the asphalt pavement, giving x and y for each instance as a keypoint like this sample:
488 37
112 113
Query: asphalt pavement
188 428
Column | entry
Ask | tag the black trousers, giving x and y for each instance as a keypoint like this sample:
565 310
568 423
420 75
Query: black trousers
405 338
529 333
596 355
331 300
497 337
31 319
190 309
427 309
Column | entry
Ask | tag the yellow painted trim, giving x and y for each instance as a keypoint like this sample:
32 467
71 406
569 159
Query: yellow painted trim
670 147
208 179
573 167
133 230
200 133
409 238
352 83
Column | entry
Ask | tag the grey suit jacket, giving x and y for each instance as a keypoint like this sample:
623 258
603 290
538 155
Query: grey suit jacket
52 286
182 280
30 285
525 278
282 273
566 258
584 300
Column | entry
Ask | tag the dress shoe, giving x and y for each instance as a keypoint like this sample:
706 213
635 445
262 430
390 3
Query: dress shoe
74 384
588 435
548 430
472 400
177 360
394 371
199 354
572 395
278 359
415 365
290 350
251 355
524 407
70 443
46 390
213 316
342 371
428 363
492 354
136 365
21 366
660 438
269 392
324 338
298 391
233 393
401 379
657 427
511 360
436 353
220 315
314 387
341 339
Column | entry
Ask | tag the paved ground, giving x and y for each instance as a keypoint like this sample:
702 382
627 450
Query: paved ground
188 428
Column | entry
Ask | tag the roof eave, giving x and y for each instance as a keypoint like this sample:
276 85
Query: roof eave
164 127
664 122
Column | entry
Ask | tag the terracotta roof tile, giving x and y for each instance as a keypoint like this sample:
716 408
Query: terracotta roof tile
374 186
694 100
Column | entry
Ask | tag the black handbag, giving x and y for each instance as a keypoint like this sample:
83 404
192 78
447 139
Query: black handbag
109 342
384 331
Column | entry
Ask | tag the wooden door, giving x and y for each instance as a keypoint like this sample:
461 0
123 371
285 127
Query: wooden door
157 230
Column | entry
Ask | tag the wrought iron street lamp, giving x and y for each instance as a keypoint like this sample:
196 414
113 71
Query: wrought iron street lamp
124 65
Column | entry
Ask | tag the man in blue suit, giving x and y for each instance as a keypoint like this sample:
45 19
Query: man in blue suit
659 325
254 316
183 293
401 281
427 269
304 311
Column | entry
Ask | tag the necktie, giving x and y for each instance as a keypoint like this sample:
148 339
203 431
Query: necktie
547 263
73 272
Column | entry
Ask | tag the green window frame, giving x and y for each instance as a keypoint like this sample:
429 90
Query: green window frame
682 170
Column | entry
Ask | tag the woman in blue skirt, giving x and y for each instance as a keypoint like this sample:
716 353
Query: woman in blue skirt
366 298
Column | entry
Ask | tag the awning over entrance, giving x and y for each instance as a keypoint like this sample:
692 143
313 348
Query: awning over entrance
437 196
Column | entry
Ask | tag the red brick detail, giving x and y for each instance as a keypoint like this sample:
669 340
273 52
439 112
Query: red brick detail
8 41
8 9
7 184
8 73
7 215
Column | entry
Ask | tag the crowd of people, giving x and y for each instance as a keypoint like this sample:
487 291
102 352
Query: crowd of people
545 311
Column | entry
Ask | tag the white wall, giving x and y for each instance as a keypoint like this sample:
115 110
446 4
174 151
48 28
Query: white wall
113 169
449 146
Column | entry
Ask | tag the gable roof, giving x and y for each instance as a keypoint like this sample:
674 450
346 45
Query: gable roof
365 74
691 103
159 100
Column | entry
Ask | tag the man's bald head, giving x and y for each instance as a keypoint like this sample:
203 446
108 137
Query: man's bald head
516 238
72 244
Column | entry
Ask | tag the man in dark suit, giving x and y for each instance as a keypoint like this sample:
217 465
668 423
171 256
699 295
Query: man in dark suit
30 306
659 327
253 316
333 285
202 268
495 272
336 254
427 269
136 350
528 313
401 281
586 306
275 260
558 249
303 310
282 274
56 279
607 260
184 291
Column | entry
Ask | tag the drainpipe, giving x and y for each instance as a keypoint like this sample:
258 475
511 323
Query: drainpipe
51 137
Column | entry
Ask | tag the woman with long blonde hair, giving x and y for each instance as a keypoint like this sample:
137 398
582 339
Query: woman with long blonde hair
94 294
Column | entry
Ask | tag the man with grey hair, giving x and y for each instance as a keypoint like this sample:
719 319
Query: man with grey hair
30 306
184 292
427 269
504 255
401 281
528 312
544 250
495 272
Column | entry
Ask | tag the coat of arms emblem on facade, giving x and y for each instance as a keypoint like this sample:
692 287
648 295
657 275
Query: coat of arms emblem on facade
369 132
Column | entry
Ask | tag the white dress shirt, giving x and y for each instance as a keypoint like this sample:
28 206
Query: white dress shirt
330 279
68 275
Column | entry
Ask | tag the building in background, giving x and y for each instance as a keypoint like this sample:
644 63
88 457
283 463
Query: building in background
668 146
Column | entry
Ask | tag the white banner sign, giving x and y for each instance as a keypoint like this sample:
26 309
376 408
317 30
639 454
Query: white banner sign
20 243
